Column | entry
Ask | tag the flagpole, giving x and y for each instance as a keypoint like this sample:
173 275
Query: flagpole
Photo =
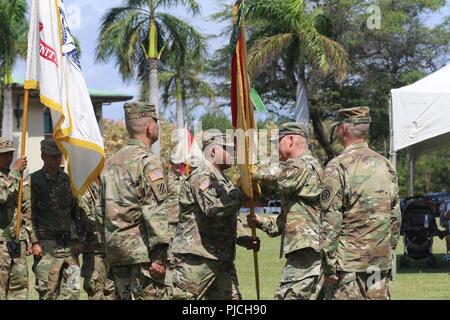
255 253
22 154
247 145
252 200
246 110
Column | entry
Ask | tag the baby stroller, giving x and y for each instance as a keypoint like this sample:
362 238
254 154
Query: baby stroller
418 229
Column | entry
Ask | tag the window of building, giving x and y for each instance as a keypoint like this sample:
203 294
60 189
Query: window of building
48 124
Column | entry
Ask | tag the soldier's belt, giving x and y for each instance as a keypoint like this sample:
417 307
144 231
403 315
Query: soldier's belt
62 238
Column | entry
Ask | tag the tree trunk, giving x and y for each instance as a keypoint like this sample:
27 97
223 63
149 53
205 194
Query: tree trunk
7 120
301 102
321 136
303 114
179 102
153 63
153 95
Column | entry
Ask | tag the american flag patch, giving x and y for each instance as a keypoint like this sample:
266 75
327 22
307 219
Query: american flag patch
205 185
156 175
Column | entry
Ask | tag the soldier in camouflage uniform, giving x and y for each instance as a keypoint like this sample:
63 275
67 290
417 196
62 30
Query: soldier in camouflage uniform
95 271
361 215
13 253
299 178
175 179
174 183
55 229
208 231
136 223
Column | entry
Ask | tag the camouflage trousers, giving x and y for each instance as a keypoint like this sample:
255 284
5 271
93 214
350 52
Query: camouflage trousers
13 273
57 273
98 282
198 278
300 275
135 283
361 286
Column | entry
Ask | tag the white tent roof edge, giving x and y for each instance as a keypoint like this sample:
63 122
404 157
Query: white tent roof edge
421 113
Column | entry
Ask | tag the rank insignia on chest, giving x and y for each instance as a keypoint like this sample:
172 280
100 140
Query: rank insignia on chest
156 175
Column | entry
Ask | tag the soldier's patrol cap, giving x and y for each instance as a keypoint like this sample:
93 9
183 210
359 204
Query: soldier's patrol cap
6 145
354 116
292 128
50 148
137 110
210 139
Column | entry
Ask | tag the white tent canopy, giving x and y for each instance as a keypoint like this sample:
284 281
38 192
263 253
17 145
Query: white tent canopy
420 116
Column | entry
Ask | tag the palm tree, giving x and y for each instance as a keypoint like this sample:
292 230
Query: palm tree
138 35
289 30
181 82
13 45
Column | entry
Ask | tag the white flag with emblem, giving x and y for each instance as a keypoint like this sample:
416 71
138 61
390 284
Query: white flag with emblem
54 69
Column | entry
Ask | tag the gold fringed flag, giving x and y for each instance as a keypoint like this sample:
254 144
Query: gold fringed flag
243 118
241 103
54 69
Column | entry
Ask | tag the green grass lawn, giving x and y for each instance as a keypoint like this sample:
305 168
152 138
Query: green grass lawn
419 282
416 282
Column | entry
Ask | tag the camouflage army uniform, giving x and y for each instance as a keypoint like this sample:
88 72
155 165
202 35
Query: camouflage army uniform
299 180
136 223
55 225
95 271
174 186
205 241
13 265
173 209
361 219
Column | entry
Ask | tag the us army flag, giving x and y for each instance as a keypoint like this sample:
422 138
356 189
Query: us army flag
54 69
241 104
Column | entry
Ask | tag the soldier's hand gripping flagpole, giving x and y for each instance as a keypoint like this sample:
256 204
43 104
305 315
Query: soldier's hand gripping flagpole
22 154
243 116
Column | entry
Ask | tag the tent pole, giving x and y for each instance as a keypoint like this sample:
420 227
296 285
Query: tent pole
392 152
412 172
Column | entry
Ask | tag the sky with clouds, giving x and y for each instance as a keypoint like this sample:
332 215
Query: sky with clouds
105 76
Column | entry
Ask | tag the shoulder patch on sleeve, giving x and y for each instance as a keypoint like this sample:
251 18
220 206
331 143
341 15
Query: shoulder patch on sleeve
159 189
205 184
330 189
158 184
156 175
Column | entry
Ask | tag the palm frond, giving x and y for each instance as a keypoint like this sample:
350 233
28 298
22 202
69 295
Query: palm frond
326 54
337 57
166 76
296 8
13 37
120 38
223 14
268 49
181 36
192 6
168 90
271 10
